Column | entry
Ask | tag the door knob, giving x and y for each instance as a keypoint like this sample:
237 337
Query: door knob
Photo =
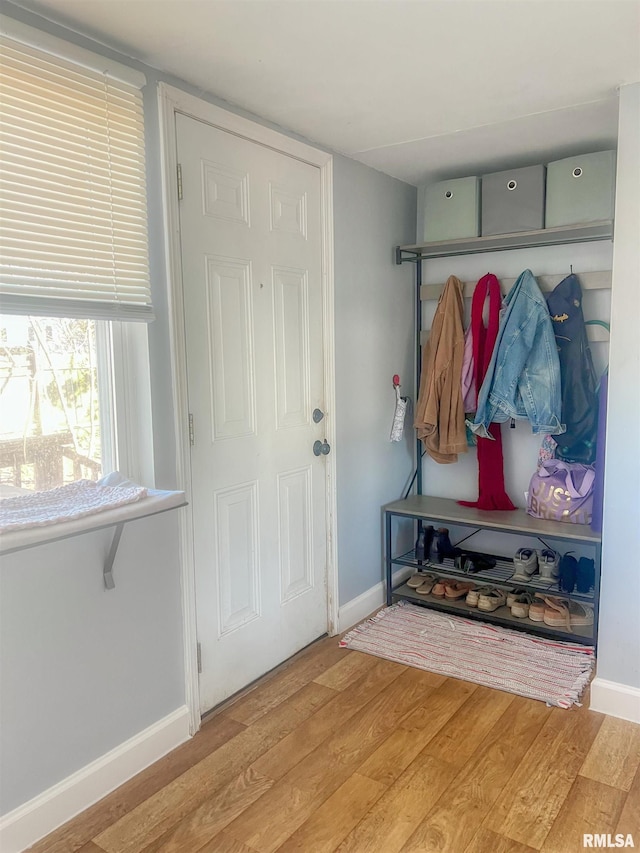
321 448
317 416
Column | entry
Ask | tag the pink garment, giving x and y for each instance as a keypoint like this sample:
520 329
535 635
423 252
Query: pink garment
469 390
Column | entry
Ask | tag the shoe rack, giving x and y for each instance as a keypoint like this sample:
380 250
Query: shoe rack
444 512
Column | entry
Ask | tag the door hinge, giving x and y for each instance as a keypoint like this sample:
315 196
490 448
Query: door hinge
199 653
179 182
192 439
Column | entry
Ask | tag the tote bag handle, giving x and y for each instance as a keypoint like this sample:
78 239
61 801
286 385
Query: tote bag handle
551 466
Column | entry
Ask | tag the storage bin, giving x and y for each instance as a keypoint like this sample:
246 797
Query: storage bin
580 189
513 201
452 210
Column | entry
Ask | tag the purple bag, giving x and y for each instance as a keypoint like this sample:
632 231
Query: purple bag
562 491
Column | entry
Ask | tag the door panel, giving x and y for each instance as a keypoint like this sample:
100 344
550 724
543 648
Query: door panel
251 256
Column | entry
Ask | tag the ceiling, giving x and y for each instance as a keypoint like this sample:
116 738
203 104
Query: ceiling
419 89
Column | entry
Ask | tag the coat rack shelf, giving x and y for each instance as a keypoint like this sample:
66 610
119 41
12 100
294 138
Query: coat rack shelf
421 508
519 240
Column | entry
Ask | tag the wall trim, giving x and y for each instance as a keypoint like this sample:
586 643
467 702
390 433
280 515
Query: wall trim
171 101
616 700
30 822
363 605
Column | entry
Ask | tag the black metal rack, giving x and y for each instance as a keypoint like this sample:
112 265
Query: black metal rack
428 509
422 508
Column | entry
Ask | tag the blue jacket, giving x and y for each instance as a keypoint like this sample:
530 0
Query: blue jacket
523 377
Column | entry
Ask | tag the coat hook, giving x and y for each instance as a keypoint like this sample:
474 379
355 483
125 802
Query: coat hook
571 268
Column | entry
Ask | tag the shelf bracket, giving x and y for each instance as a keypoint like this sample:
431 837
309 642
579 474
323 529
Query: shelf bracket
107 571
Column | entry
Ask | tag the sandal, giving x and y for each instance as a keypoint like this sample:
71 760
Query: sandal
520 605
562 613
417 579
457 589
428 582
440 588
492 599
536 610
514 595
473 595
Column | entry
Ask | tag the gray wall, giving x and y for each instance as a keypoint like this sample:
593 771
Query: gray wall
619 639
81 669
374 303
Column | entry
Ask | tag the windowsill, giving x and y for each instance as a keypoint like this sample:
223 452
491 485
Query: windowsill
156 501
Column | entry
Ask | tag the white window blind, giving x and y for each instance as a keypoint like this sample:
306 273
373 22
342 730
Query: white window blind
73 211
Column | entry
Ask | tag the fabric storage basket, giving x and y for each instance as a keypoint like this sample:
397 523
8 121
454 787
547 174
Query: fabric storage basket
513 201
452 210
580 189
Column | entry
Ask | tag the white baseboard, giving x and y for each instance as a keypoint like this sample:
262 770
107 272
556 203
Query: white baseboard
359 608
22 827
617 700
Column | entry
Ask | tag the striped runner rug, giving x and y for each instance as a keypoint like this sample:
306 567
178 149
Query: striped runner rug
536 667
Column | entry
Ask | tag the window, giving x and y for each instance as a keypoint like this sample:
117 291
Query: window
74 273
52 419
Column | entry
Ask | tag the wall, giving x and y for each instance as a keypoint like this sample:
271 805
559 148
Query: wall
83 668
619 648
374 305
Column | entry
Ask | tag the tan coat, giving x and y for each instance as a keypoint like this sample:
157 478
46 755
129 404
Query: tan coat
439 411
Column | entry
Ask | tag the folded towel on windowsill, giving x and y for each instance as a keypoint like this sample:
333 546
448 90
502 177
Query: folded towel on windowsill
65 503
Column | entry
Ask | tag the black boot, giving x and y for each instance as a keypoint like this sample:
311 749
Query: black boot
444 548
585 574
428 543
568 571
423 544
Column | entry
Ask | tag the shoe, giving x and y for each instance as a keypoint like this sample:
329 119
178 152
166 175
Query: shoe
423 544
439 588
585 574
514 594
463 563
562 613
444 548
491 599
415 580
471 562
457 589
568 572
427 584
473 595
521 604
548 561
536 610
525 563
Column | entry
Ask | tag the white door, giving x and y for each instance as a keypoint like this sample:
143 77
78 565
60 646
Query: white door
251 260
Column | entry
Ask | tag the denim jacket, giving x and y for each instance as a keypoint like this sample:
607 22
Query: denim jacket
523 377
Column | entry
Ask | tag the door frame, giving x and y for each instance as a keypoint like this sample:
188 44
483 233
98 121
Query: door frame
170 102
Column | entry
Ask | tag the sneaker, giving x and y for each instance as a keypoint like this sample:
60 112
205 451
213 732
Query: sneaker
548 562
525 563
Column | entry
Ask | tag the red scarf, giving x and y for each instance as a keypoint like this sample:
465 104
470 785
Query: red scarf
491 489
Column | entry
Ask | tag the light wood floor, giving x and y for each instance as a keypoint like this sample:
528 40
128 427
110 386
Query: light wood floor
341 751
